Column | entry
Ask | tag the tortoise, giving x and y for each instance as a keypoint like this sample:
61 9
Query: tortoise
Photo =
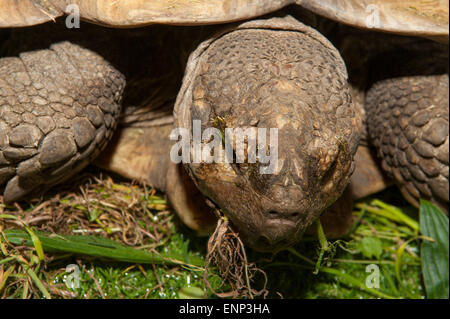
356 92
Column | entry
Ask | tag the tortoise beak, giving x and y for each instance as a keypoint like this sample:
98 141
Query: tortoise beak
277 234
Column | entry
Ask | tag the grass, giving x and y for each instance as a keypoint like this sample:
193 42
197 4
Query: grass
383 241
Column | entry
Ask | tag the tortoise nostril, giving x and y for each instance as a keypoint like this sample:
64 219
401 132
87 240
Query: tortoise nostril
273 214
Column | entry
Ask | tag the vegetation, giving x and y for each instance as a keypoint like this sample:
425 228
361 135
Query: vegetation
123 241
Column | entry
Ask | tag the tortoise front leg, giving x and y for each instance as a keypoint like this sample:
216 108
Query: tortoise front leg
408 123
58 109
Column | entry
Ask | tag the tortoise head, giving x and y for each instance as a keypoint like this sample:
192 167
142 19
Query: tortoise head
272 201
298 132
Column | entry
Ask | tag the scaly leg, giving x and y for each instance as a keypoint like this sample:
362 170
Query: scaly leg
58 109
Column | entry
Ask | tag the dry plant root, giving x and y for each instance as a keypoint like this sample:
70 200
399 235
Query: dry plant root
226 251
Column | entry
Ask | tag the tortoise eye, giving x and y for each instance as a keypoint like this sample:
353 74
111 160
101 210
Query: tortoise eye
330 172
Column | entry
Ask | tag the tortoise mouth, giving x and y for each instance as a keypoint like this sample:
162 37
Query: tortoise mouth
275 235
279 231
280 223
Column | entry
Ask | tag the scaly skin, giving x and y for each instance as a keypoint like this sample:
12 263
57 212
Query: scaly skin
409 127
58 109
407 110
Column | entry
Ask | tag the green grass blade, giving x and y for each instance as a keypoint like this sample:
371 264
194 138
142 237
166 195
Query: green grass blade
191 293
97 247
38 282
398 259
397 214
434 255
36 243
